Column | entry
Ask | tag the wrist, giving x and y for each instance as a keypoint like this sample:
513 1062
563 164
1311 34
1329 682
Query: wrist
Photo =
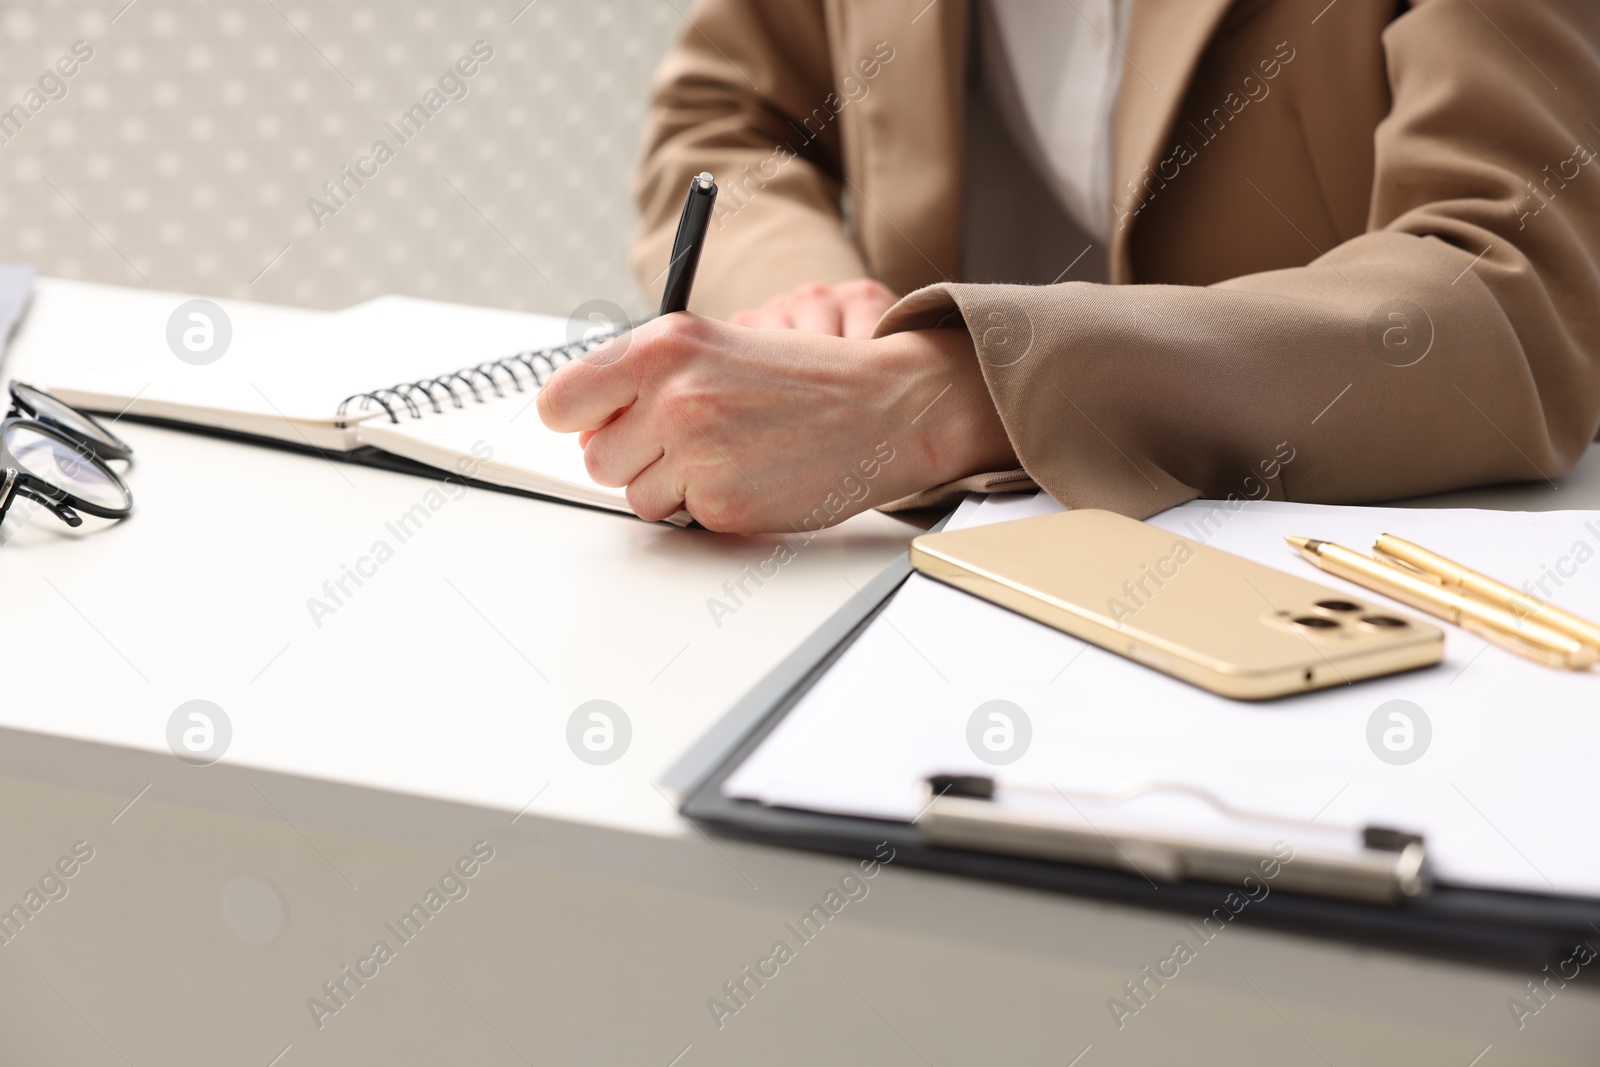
954 427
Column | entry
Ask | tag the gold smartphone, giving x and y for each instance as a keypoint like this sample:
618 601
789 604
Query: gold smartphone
1208 617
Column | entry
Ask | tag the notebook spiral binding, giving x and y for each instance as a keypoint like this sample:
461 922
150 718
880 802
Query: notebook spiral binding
493 374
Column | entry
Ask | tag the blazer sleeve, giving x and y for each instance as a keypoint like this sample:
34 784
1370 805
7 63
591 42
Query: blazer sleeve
733 98
1455 343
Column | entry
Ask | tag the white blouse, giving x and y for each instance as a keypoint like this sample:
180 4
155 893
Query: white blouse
1065 60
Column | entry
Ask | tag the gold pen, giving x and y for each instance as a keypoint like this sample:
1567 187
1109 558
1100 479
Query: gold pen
1454 576
1425 593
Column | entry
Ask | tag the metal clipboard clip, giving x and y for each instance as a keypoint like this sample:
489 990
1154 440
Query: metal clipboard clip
1372 864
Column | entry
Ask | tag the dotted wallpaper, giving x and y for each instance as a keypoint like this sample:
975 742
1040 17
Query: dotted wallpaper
318 152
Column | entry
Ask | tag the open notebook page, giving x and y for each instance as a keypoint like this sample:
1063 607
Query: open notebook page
504 443
289 384
1499 791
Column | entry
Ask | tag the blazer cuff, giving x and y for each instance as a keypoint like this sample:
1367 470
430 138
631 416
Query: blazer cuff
1135 398
1019 334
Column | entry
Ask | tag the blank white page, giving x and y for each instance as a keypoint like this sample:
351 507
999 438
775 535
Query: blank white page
303 372
1500 792
506 444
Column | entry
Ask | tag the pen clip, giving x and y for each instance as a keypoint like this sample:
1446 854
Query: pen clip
1406 567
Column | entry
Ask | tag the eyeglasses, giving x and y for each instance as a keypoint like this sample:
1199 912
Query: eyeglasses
52 453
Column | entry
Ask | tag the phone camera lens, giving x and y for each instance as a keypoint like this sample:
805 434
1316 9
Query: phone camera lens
1317 622
1384 622
1338 605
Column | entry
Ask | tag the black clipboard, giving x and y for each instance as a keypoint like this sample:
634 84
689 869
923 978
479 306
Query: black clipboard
1522 931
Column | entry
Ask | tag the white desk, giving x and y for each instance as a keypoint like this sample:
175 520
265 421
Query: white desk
505 611
430 711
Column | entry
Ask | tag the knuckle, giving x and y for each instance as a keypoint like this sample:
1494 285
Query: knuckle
861 288
670 337
645 507
813 291
718 512
689 407
594 461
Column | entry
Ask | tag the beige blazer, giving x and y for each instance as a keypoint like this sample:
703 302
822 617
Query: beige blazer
1356 255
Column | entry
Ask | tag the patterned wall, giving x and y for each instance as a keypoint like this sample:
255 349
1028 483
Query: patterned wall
178 144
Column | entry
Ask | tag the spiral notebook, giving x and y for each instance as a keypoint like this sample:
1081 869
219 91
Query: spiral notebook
427 382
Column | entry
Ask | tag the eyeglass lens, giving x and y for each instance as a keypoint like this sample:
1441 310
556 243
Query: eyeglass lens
47 408
63 466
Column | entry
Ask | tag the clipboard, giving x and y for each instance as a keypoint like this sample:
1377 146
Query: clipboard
1500 928
1376 864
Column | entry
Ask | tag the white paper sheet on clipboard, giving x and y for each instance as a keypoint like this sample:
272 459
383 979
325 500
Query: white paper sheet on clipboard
1502 790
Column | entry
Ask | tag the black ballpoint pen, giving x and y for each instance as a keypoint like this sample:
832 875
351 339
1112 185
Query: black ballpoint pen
692 225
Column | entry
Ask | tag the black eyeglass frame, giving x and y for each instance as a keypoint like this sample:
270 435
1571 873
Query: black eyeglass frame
107 448
16 481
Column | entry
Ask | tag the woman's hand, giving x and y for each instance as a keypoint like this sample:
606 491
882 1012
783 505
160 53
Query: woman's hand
759 430
847 309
